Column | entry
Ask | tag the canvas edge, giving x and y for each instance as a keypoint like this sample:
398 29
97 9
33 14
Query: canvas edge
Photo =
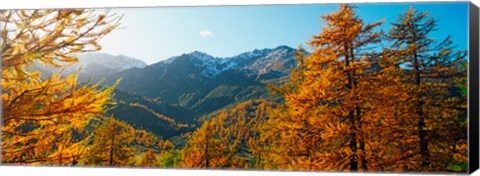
473 79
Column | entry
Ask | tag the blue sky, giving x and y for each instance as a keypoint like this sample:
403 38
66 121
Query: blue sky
155 34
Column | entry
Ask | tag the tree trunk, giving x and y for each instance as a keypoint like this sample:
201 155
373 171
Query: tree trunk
207 157
421 119
358 116
110 163
351 116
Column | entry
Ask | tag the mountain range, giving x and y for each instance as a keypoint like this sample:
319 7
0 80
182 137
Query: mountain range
183 88
202 82
91 65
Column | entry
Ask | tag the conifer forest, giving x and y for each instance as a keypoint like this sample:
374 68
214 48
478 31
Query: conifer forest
353 98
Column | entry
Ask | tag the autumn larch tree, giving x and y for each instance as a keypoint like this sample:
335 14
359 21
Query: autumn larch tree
149 159
225 139
165 146
38 114
432 69
391 122
271 148
146 139
322 125
202 147
112 144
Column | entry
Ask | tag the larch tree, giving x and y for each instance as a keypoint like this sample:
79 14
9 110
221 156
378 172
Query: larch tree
323 125
270 146
144 138
149 159
71 148
202 148
431 75
112 144
257 146
169 155
225 139
391 120
165 146
38 115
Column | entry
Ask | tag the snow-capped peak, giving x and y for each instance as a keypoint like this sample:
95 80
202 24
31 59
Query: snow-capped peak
201 55
213 66
254 53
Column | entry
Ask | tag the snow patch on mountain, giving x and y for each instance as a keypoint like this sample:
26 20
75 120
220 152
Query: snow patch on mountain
260 60
211 66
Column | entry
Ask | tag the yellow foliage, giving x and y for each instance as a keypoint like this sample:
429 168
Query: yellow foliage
224 140
112 144
39 115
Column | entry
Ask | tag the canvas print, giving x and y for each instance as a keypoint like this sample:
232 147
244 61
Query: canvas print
367 87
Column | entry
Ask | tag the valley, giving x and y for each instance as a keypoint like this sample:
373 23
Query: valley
185 88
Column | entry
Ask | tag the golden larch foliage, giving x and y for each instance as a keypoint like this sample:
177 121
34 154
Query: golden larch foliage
322 125
225 139
149 159
432 73
112 144
39 115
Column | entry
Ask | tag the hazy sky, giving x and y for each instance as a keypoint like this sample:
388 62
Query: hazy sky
155 34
